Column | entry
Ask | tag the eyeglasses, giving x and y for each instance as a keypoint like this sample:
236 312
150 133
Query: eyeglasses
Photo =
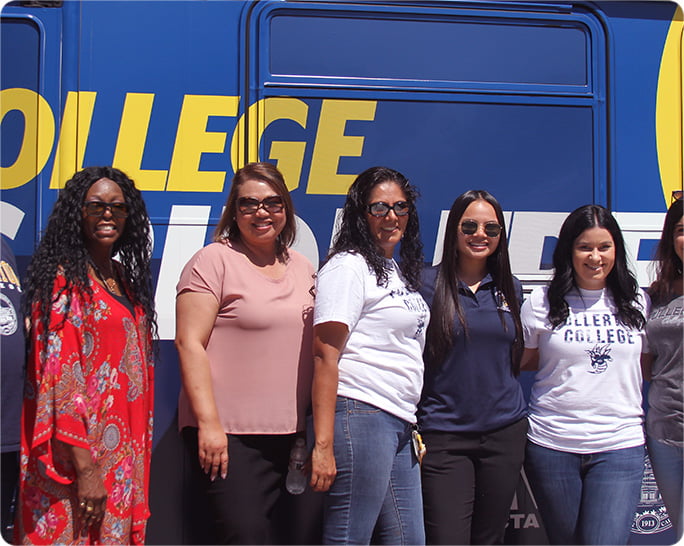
380 209
249 205
676 196
491 229
98 208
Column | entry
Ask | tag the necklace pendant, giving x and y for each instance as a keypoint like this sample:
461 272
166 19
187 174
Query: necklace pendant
110 284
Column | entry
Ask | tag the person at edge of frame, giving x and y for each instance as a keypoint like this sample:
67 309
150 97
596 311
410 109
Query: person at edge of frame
664 367
13 362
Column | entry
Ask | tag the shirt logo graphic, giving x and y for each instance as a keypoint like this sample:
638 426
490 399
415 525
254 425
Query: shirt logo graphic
501 303
414 303
600 355
8 316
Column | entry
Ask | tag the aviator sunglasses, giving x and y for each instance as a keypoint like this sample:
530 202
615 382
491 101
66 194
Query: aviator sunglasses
98 208
491 229
249 205
380 209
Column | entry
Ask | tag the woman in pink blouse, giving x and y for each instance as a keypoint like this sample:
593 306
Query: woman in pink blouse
244 326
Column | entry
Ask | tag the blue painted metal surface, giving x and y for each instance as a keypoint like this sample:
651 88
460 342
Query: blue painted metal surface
548 105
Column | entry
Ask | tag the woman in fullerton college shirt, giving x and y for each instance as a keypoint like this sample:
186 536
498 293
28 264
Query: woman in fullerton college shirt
585 454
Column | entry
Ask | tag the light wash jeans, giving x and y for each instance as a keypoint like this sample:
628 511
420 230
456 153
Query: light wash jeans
668 468
586 498
378 479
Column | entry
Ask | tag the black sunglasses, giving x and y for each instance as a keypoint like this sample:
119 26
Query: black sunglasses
491 229
98 208
249 205
380 209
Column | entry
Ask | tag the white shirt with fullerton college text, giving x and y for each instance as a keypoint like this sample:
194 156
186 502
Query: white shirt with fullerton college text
382 362
586 396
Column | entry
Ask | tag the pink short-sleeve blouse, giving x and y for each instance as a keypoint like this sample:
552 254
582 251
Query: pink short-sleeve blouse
260 348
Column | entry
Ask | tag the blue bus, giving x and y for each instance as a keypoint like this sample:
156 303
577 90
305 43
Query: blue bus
547 104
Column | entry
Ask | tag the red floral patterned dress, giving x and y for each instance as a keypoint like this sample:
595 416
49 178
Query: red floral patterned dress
90 384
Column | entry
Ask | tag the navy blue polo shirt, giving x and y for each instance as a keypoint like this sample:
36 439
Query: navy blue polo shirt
474 389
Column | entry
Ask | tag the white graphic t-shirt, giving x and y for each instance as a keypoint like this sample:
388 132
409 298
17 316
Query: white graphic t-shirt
586 396
382 361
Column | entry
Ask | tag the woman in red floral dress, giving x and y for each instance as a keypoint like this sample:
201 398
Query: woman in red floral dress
87 416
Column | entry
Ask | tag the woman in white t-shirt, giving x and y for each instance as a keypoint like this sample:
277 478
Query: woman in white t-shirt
585 451
369 333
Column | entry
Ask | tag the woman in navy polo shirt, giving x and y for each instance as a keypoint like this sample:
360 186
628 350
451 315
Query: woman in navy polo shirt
472 413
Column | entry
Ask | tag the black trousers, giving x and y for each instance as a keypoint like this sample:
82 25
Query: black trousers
9 482
468 481
251 505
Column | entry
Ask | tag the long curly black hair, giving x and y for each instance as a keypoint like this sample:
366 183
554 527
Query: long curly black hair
622 283
62 248
354 234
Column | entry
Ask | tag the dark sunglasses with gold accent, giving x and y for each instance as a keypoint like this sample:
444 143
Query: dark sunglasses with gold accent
381 209
249 205
491 229
98 208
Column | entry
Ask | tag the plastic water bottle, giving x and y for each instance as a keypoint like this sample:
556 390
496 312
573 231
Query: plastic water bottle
295 483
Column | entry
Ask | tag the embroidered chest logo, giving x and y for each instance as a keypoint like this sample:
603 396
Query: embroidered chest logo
600 355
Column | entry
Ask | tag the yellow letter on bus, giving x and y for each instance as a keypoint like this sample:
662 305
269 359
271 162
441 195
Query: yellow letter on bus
73 136
39 135
130 146
289 155
193 140
332 143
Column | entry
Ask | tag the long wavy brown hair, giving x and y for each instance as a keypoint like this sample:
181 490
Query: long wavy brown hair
668 266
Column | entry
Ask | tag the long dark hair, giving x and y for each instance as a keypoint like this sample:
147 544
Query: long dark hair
622 283
62 248
354 233
446 302
668 266
227 227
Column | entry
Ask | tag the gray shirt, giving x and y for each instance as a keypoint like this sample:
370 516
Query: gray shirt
665 330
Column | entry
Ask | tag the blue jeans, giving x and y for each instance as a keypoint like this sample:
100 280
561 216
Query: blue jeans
586 498
668 468
378 479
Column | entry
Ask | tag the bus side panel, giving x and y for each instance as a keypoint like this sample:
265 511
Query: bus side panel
179 94
638 32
